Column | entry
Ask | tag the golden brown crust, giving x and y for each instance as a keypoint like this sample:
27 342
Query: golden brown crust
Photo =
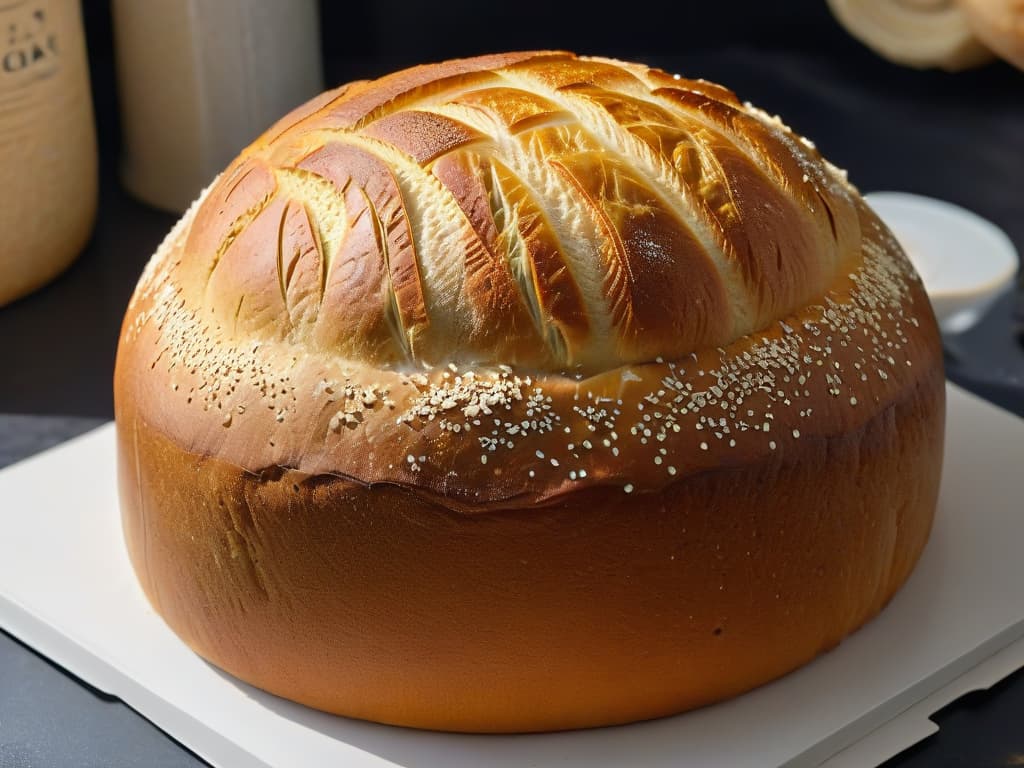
595 608
492 435
512 305
682 218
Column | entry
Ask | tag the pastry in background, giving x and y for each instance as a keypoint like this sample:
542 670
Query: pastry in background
917 33
999 24
948 34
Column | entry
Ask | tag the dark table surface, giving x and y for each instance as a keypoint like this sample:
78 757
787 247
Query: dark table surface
955 137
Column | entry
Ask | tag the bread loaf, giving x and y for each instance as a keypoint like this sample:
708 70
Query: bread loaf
526 392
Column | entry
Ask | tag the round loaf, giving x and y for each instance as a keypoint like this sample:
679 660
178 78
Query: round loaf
526 392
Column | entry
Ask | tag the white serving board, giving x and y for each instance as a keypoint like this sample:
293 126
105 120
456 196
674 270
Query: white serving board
66 589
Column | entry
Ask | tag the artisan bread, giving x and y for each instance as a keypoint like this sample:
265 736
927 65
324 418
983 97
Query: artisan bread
526 392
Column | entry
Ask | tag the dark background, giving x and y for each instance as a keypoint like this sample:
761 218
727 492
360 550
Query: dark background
958 137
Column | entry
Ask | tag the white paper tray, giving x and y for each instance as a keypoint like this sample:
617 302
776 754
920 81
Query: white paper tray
66 589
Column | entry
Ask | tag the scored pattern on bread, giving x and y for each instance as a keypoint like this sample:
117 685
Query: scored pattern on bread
443 353
457 273
537 210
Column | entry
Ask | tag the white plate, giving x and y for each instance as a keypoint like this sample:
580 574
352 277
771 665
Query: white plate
965 261
67 589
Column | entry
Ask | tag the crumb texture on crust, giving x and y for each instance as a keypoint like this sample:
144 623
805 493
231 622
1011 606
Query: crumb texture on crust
496 279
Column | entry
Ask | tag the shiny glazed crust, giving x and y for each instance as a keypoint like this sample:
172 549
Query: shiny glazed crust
526 392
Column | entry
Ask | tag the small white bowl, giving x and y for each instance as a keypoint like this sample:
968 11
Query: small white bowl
966 262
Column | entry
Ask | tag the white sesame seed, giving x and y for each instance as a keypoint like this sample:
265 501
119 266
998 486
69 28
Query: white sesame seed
703 446
771 444
483 459
628 487
796 433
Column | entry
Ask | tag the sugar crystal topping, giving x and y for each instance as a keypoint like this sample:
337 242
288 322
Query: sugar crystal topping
551 425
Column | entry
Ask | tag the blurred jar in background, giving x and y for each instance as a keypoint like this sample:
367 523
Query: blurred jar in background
47 143
198 80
